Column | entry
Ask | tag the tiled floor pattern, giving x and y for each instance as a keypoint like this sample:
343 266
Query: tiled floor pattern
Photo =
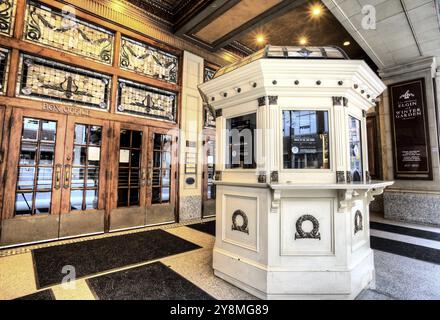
397 276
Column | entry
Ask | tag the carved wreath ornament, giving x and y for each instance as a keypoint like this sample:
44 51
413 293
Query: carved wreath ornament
301 234
244 226
358 226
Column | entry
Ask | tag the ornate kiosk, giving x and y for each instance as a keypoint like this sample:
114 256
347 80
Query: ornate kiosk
293 186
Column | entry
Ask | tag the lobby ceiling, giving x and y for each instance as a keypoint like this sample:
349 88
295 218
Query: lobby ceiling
235 25
406 30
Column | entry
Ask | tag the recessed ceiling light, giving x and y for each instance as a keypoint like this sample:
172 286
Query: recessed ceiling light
260 39
303 41
347 43
316 10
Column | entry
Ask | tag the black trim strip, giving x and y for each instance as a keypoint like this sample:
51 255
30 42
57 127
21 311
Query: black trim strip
405 231
406 249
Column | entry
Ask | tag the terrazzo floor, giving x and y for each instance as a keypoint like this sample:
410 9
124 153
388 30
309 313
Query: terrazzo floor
397 276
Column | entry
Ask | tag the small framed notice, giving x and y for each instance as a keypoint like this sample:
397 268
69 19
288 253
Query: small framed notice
124 156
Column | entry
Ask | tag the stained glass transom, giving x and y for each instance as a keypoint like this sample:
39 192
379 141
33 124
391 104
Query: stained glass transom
49 80
64 31
7 16
138 99
4 67
144 59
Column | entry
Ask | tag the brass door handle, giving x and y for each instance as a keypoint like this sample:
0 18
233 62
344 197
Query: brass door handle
58 169
66 176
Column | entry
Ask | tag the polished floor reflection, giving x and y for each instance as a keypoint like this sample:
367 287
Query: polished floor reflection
407 266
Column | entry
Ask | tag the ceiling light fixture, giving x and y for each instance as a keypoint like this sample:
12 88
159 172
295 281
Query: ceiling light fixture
347 43
260 39
316 10
303 41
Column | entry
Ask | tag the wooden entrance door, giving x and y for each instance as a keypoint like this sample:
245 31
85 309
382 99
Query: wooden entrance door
32 207
143 190
208 177
84 176
128 200
162 176
56 172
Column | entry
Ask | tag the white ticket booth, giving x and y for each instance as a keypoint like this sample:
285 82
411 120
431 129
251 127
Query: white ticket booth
293 187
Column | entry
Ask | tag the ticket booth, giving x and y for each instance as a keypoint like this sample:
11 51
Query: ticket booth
292 181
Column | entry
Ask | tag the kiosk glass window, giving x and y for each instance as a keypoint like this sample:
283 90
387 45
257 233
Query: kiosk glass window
306 140
240 151
354 128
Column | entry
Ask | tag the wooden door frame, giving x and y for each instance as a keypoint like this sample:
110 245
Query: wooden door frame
5 114
16 124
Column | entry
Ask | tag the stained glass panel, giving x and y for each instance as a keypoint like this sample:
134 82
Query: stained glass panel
64 31
139 99
49 80
7 16
4 66
144 59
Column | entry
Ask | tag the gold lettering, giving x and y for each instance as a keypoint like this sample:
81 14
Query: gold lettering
69 110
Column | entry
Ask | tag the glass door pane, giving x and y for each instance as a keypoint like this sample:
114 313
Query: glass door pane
86 161
130 163
161 171
35 167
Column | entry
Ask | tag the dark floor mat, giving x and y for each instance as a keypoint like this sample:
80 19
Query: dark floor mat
405 231
406 249
94 256
40 295
207 227
153 281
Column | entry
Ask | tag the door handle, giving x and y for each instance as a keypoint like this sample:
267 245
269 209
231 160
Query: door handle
58 169
66 176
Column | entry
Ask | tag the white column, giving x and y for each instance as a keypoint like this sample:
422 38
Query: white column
190 137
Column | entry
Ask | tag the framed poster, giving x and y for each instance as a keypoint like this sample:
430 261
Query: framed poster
410 131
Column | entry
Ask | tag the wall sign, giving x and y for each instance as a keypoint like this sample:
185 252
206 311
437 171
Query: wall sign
70 110
412 154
